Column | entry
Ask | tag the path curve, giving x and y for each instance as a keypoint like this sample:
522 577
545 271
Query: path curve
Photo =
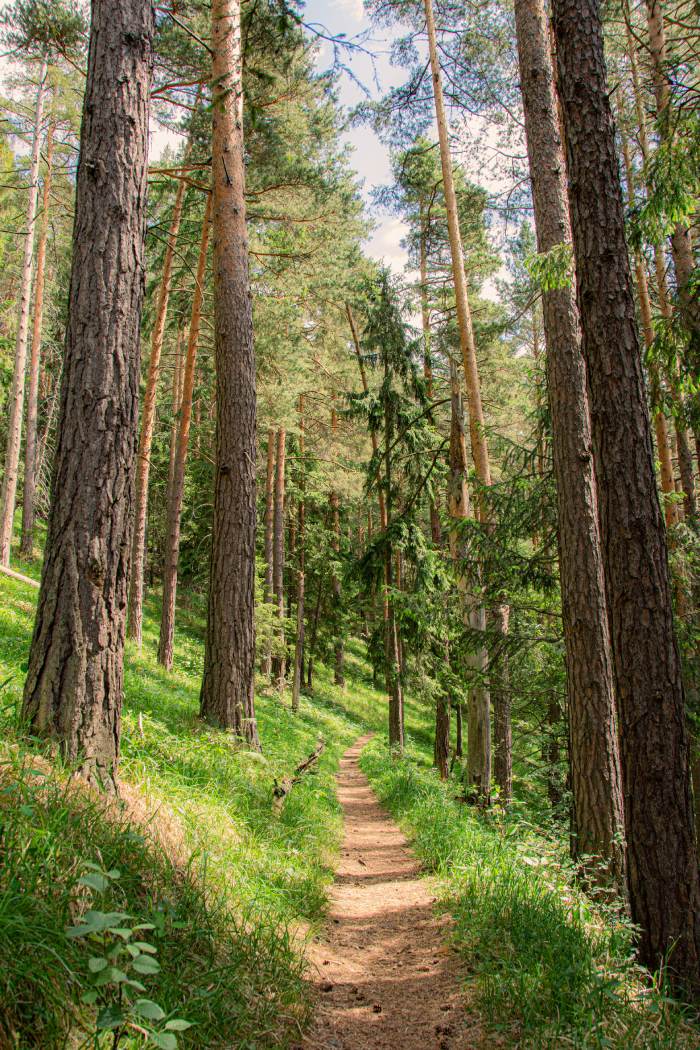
384 977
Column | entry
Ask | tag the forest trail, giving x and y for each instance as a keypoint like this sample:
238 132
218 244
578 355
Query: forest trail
384 976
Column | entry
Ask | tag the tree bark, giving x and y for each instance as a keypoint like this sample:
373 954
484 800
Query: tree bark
391 638
166 642
664 885
176 407
266 663
227 697
148 417
339 645
73 690
279 662
30 442
14 428
595 764
502 723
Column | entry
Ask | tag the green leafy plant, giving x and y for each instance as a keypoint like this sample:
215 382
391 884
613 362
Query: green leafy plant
118 956
553 269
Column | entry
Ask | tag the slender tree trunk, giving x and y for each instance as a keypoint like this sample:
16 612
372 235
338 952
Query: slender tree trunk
314 635
502 724
339 646
148 419
393 674
435 527
176 408
73 690
442 736
14 428
664 884
227 697
266 664
299 647
279 662
479 715
595 764
480 453
30 445
166 641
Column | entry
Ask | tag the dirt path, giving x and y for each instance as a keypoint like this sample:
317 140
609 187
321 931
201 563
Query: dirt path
384 978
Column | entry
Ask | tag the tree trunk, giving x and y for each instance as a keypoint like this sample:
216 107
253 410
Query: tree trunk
166 641
227 697
279 662
14 428
266 663
502 725
176 408
663 876
473 615
480 453
73 690
435 526
391 638
442 736
30 445
595 764
299 646
148 418
339 646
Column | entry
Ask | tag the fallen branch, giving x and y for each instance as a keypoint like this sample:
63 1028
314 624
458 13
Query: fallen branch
19 576
280 791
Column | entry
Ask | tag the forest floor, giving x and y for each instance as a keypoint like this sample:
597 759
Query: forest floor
384 977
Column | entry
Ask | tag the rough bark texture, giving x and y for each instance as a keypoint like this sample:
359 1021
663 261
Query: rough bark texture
148 419
14 427
227 697
662 863
73 690
30 441
442 736
166 641
391 637
279 662
595 765
339 645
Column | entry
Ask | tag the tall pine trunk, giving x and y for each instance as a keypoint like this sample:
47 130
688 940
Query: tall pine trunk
30 441
664 885
595 763
227 696
166 642
266 663
73 690
14 428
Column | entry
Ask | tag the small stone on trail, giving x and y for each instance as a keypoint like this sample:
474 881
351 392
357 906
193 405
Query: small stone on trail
377 1008
326 986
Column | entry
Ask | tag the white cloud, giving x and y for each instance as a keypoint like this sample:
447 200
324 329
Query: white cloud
353 9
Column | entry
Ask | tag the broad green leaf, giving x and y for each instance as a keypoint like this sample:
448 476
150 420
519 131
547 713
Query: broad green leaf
176 1025
109 1018
144 964
95 881
144 946
165 1040
147 1008
97 963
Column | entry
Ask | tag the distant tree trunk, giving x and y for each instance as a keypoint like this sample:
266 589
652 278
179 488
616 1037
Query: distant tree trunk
339 646
73 690
299 646
166 643
266 663
663 875
391 638
176 407
278 554
30 444
314 634
459 743
14 427
595 764
148 418
227 697
502 725
479 718
435 527
442 736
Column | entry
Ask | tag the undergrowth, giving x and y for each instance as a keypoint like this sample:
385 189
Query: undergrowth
550 969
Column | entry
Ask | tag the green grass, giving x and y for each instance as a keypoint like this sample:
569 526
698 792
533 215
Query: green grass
549 969
238 881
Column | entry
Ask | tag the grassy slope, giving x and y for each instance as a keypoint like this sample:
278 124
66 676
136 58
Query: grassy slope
266 869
